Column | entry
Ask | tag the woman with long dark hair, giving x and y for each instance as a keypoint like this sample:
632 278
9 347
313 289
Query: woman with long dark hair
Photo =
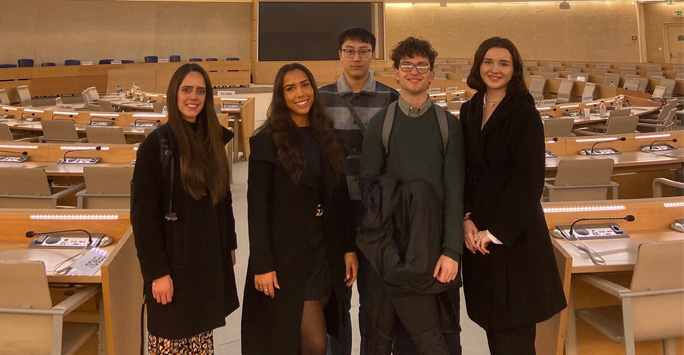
182 217
301 229
510 277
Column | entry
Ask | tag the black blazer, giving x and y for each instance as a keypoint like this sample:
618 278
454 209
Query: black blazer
281 216
195 250
518 283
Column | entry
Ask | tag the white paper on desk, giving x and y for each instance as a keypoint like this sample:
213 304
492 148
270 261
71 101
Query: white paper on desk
614 252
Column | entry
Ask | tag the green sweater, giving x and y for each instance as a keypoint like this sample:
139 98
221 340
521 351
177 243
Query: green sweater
416 152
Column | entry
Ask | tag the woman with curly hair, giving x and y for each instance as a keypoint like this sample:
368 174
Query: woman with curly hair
301 230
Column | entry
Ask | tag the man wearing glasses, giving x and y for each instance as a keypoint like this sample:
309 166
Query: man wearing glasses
420 144
351 102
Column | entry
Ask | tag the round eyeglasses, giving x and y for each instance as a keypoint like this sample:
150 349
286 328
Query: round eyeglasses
421 68
363 53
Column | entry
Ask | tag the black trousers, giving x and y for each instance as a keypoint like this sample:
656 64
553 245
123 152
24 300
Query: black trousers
512 341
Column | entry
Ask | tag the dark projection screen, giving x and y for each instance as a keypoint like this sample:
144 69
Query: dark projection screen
292 31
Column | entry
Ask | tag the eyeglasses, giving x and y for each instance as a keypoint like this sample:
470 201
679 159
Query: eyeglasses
421 68
363 53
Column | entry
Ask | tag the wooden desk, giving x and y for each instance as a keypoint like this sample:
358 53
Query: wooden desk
652 220
120 277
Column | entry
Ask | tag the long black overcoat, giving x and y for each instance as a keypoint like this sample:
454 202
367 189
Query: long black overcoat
194 250
518 282
281 217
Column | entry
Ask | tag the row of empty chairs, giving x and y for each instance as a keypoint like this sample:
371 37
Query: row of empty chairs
65 131
27 63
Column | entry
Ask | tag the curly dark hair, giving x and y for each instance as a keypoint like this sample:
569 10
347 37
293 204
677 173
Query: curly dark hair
286 136
412 46
203 162
517 83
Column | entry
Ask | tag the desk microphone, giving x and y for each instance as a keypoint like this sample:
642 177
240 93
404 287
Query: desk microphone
31 234
78 150
70 115
650 147
104 119
567 110
594 145
156 122
31 118
14 153
628 218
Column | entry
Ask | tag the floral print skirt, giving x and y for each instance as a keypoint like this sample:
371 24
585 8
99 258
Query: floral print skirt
200 344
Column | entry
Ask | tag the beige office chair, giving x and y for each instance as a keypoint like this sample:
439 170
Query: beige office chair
573 70
158 107
29 323
659 116
537 85
93 107
105 106
564 91
655 74
614 125
30 188
582 180
4 99
654 67
619 113
628 66
552 75
667 123
558 127
658 184
631 84
59 131
546 69
106 187
6 135
609 79
105 135
652 307
599 71
454 105
24 96
603 65
588 91
579 65
669 85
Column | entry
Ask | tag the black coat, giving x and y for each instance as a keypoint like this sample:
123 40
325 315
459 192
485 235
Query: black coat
518 283
194 250
281 217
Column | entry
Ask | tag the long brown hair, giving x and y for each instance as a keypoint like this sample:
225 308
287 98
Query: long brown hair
517 83
203 161
286 136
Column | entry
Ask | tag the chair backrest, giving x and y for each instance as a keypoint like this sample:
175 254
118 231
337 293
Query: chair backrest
106 61
25 182
554 64
127 61
537 87
151 59
60 130
564 91
195 59
4 99
655 74
583 172
105 105
91 94
588 91
579 65
631 84
658 266
599 71
621 124
669 85
212 59
72 62
106 181
25 62
611 79
627 72
603 65
24 285
621 112
552 75
47 64
174 58
24 95
545 69
654 67
530 64
558 127
5 133
158 107
573 70
105 135
628 66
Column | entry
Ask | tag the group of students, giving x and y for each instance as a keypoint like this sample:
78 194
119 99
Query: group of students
352 166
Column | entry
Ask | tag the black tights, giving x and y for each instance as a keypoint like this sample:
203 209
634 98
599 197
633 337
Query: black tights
313 340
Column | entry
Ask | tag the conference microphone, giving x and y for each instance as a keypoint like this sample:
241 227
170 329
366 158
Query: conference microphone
650 147
628 218
105 121
31 234
29 118
146 122
591 152
14 153
78 150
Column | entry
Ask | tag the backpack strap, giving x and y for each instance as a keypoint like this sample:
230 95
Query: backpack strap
389 122
167 163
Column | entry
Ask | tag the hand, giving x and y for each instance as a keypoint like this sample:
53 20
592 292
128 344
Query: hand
351 265
232 256
446 269
266 283
162 289
469 231
481 242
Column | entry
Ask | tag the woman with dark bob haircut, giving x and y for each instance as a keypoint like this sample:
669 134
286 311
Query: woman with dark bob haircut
301 230
182 217
510 278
